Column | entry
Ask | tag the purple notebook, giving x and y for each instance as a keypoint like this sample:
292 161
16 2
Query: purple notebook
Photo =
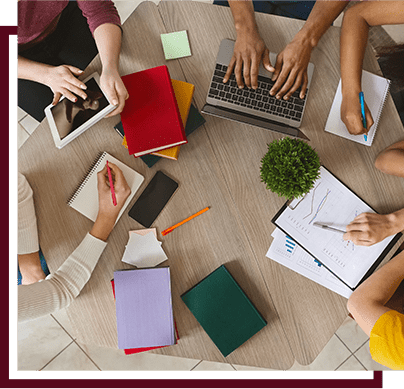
144 312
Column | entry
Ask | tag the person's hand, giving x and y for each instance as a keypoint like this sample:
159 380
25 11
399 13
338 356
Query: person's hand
114 88
249 51
62 81
107 211
291 69
370 228
351 115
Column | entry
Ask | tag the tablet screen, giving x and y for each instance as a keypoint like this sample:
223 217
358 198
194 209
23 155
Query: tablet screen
70 116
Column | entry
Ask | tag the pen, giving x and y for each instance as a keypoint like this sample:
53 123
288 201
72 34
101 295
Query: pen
325 227
111 185
168 230
362 101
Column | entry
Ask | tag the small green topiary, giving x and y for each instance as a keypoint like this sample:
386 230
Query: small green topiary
290 167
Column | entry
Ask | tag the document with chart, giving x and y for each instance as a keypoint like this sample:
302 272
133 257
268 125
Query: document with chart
331 203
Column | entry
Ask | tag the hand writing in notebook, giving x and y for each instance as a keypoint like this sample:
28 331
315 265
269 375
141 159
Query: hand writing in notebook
107 212
351 114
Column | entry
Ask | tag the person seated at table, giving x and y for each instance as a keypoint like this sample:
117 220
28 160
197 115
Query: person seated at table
56 42
39 296
354 35
290 69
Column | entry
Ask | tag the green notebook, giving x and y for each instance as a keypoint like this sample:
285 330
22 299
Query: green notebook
223 310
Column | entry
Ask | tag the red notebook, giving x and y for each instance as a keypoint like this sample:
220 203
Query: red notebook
151 118
129 351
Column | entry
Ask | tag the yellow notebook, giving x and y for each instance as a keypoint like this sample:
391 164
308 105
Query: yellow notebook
184 93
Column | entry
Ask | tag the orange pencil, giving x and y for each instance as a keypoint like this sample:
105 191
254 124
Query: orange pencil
168 230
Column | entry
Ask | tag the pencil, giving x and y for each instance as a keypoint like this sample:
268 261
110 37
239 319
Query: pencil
111 185
168 230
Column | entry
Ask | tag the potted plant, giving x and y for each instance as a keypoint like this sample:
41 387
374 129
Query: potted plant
290 167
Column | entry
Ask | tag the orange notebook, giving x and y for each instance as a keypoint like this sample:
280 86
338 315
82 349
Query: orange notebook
151 118
184 93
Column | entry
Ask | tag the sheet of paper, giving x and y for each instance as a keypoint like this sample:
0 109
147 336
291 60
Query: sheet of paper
375 89
144 232
331 203
144 251
286 252
176 45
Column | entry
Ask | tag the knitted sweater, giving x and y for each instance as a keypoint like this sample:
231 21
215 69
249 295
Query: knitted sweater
60 288
41 17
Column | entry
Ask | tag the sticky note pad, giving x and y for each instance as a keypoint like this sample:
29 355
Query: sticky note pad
176 45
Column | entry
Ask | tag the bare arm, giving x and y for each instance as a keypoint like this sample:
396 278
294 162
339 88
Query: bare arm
249 49
291 63
368 301
391 160
108 39
354 35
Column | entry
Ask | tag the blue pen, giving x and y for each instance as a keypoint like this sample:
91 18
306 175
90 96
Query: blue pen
362 101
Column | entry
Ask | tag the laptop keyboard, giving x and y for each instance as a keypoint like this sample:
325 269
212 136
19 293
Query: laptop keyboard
258 99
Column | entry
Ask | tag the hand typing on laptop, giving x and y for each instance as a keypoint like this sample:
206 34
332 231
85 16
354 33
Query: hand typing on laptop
290 70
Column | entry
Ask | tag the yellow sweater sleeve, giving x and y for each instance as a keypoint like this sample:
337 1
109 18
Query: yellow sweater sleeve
387 340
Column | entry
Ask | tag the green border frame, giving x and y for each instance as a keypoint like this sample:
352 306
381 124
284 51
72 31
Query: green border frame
9 17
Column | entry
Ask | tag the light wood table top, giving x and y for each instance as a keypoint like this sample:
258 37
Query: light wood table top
219 167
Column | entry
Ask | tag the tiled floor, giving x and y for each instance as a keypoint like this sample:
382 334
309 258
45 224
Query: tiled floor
48 343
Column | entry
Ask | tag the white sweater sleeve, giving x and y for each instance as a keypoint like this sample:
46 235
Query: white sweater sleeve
27 228
60 288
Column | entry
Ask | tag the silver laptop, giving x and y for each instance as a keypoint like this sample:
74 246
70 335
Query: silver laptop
257 108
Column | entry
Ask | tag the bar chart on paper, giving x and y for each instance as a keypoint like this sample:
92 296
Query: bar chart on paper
331 203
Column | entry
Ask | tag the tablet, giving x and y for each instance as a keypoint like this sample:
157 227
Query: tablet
67 120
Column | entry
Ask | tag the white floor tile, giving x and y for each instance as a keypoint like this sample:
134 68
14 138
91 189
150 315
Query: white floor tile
62 318
22 135
20 114
113 359
29 124
249 368
71 358
39 341
207 365
363 355
332 356
351 334
125 8
351 364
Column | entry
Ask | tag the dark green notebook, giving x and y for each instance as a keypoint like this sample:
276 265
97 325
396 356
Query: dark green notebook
195 120
223 310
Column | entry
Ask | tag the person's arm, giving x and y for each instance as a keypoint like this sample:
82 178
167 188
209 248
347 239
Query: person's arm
291 64
391 160
249 49
60 79
367 303
59 289
108 40
354 34
370 228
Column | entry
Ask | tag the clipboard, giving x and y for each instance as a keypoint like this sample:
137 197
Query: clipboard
288 219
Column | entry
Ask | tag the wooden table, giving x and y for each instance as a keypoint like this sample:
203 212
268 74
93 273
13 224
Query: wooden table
219 167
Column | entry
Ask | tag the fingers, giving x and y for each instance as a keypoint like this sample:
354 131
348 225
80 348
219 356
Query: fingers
266 61
369 118
238 73
56 98
246 72
358 238
119 178
74 70
304 85
255 63
102 179
121 95
229 69
292 83
354 124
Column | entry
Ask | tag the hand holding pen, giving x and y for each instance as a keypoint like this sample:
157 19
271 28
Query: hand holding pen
351 114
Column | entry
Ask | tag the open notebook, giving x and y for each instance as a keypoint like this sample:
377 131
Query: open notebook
375 89
85 197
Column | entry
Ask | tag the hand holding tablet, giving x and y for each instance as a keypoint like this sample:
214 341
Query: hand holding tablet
68 120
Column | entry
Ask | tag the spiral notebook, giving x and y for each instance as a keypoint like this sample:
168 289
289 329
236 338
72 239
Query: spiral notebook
375 89
85 197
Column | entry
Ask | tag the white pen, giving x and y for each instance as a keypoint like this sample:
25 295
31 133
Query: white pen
325 227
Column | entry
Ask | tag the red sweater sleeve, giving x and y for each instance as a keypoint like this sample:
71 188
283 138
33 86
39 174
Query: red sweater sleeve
99 12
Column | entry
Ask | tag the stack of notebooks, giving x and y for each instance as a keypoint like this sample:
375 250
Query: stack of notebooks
223 310
144 312
159 117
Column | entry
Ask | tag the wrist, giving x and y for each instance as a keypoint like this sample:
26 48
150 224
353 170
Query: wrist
396 221
350 90
308 37
103 226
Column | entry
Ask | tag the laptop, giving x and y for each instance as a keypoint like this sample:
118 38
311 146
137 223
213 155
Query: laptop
257 108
